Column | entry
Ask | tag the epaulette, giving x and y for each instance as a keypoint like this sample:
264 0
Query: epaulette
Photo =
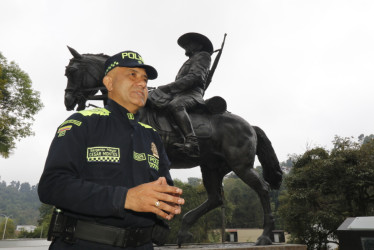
146 126
97 111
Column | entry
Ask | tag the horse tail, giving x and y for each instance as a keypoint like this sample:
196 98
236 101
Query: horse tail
271 170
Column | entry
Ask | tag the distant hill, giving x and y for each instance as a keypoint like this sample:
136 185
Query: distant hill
20 201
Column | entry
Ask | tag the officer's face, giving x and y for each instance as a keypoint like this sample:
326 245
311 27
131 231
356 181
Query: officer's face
128 87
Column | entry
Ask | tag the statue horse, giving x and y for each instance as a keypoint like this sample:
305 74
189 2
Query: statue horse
88 69
227 143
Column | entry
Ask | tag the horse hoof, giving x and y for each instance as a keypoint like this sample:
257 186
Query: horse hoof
263 241
184 237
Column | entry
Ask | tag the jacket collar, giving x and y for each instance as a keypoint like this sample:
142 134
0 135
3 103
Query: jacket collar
123 112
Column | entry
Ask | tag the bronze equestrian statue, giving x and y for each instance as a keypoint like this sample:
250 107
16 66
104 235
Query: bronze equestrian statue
227 143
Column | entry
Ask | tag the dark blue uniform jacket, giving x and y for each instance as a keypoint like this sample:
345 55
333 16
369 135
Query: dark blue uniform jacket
95 157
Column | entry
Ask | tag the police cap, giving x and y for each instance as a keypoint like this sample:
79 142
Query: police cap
129 59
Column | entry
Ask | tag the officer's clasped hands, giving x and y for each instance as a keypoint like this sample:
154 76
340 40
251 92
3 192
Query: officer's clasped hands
156 197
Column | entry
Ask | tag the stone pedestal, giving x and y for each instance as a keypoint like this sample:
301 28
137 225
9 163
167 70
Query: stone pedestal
234 246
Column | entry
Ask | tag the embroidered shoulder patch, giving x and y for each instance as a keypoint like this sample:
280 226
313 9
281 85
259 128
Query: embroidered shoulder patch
97 111
62 130
103 154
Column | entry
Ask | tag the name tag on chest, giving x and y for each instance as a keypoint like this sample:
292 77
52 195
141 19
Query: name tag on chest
103 154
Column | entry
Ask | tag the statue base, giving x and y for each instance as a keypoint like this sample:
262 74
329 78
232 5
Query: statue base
234 246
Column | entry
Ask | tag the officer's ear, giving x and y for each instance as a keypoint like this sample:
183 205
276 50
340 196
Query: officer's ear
108 83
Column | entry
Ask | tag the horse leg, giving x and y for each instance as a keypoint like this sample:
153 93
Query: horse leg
212 179
241 160
252 179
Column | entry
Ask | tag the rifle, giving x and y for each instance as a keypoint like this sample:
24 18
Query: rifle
216 60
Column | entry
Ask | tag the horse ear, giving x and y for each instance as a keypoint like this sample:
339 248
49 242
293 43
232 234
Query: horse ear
74 53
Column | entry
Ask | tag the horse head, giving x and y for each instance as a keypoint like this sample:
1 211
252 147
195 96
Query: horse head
85 73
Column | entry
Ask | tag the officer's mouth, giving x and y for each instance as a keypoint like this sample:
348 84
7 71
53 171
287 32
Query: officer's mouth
140 93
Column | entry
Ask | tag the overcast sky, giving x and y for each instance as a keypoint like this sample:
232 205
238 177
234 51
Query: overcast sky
303 71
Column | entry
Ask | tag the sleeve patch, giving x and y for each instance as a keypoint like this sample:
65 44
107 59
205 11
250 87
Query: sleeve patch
62 131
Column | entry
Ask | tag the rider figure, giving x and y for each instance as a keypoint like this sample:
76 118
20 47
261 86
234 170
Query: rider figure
188 88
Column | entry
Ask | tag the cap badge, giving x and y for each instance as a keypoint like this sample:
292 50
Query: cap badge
133 56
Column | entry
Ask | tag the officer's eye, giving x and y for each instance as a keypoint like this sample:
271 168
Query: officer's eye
132 75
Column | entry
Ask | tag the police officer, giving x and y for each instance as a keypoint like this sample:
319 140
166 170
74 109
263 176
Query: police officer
108 173
189 86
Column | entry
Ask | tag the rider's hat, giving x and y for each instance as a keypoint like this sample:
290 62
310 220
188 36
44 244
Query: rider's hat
196 37
129 59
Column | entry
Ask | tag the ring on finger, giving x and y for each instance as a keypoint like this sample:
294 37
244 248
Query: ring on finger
157 204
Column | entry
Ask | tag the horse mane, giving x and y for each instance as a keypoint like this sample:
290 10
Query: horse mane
95 60
90 58
96 55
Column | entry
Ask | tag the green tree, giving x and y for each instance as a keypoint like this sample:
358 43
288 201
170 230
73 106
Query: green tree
18 104
45 212
246 207
193 181
288 162
9 230
195 196
365 139
324 188
21 201
41 231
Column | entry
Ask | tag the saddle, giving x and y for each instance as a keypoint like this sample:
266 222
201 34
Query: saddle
169 131
159 100
162 121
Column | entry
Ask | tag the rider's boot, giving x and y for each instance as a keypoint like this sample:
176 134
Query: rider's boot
191 144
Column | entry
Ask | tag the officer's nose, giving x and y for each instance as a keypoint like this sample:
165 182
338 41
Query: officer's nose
142 83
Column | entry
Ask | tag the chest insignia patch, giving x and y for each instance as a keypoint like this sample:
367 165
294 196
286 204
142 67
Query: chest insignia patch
139 156
153 162
62 131
103 154
154 150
